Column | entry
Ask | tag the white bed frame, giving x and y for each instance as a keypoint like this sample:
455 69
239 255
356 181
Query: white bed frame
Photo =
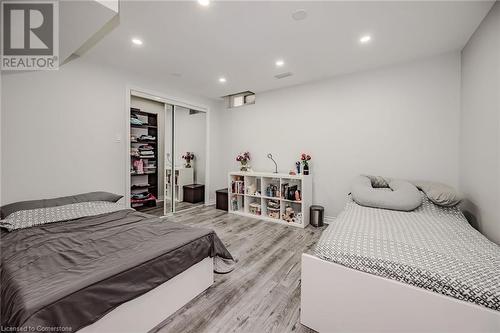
146 311
340 299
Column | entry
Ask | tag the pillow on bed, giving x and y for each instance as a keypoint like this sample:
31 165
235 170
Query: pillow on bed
440 194
40 216
45 203
402 195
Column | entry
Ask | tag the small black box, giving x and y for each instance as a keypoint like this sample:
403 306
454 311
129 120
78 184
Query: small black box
221 199
194 193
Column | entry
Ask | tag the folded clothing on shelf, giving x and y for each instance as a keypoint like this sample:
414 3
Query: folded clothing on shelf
140 185
135 121
141 197
134 152
138 166
147 137
145 147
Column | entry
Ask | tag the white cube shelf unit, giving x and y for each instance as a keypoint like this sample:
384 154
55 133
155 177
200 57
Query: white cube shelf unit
269 197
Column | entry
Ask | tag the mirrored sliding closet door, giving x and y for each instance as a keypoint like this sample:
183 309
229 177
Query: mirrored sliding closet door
190 157
167 155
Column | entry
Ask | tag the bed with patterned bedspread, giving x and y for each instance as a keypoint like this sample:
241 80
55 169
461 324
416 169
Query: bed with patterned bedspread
432 247
67 266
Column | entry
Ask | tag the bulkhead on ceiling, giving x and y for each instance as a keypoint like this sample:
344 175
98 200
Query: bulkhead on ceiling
82 24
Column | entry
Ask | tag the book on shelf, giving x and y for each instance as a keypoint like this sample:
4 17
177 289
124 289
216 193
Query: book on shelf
238 187
236 204
290 192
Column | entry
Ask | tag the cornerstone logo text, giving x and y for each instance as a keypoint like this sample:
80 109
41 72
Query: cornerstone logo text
30 35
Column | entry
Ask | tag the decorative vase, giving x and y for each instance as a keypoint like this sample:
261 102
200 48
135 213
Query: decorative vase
305 170
244 166
188 164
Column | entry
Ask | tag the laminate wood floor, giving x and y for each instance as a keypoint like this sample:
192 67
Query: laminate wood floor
180 206
262 294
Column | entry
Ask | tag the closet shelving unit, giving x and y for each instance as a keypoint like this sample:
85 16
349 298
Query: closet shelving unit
248 196
150 175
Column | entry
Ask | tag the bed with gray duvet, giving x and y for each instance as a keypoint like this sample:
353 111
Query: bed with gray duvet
67 263
431 247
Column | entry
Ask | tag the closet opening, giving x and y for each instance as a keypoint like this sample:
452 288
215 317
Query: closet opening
166 155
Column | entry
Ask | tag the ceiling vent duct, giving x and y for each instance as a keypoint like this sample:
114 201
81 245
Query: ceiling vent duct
283 75
239 99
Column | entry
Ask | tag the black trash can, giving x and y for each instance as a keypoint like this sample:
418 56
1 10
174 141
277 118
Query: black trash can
316 215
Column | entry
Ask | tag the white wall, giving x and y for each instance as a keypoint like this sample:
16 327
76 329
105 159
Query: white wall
480 126
60 131
400 121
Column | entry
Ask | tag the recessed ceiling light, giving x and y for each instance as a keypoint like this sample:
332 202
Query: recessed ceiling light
204 2
136 41
222 80
365 39
299 15
280 63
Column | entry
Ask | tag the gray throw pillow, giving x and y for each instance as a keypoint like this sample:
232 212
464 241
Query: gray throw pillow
45 203
402 195
440 194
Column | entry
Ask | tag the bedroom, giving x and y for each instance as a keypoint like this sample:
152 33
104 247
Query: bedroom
404 90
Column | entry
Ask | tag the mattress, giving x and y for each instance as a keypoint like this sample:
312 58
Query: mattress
69 274
432 247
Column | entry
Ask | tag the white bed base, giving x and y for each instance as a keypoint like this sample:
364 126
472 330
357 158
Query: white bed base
340 299
146 311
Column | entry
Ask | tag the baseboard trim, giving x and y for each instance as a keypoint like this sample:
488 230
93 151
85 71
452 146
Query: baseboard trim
210 203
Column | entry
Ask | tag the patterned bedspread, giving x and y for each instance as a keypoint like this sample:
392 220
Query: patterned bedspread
431 247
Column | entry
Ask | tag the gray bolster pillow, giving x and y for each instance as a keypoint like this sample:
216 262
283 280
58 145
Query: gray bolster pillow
401 195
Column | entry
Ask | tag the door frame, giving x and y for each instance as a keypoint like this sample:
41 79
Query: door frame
163 98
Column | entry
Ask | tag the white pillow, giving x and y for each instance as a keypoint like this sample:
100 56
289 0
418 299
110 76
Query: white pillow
440 194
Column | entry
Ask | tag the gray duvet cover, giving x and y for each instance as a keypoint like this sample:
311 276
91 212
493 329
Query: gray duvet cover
70 274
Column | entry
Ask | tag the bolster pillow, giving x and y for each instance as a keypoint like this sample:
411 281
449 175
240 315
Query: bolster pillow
400 195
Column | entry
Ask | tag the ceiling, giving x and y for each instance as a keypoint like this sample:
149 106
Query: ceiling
191 46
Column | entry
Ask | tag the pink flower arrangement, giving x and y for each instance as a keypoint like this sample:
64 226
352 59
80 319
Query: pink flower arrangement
188 156
305 157
243 158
